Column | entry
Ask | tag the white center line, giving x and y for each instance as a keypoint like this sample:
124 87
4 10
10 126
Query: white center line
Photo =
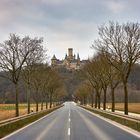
69 122
69 113
68 131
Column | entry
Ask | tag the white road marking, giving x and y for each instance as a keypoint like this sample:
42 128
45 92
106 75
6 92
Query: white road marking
69 131
69 113
125 128
69 122
15 132
48 127
94 129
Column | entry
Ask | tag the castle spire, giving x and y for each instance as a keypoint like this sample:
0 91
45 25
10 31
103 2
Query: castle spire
66 56
53 60
54 57
78 56
74 56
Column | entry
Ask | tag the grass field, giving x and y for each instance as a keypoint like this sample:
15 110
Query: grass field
7 111
132 107
11 127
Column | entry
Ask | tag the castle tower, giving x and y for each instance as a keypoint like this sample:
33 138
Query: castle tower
78 56
53 60
78 59
70 53
66 56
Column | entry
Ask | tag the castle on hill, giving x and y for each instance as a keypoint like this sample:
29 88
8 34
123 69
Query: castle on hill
70 62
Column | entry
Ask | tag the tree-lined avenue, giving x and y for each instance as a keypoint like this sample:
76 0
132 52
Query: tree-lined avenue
71 123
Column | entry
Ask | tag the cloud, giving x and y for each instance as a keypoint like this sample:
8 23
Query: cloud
64 23
53 2
116 6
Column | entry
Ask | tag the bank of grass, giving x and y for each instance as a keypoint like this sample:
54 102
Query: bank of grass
124 121
11 127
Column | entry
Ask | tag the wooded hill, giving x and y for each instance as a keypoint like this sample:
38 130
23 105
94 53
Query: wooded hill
71 80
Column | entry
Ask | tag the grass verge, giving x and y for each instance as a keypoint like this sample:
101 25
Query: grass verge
124 121
11 127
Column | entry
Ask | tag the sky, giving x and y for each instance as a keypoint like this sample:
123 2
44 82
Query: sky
64 23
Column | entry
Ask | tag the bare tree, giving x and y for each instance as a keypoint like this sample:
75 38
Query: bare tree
45 83
93 74
37 57
82 92
90 92
13 54
55 82
114 80
103 70
45 76
60 94
36 81
122 43
109 77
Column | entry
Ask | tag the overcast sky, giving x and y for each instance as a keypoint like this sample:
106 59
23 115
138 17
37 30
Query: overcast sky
64 23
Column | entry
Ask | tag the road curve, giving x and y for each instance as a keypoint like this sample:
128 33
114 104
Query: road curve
71 123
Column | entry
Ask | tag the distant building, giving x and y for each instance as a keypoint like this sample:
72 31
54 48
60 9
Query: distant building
70 62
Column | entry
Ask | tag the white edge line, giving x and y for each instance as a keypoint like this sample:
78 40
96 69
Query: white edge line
11 134
123 127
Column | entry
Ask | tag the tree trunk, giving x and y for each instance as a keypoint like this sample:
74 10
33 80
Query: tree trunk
125 98
42 105
36 106
28 99
104 104
113 99
37 99
96 100
17 99
81 100
46 103
99 102
51 101
92 100
84 100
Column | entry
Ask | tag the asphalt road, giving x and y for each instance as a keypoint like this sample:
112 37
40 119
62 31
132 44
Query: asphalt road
72 123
